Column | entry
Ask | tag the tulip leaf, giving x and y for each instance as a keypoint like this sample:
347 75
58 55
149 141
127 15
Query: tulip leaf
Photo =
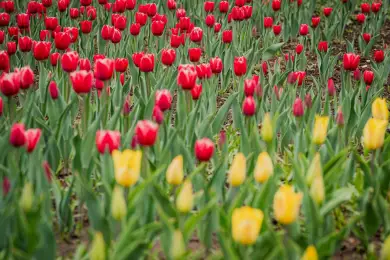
163 200
271 51
221 115
339 196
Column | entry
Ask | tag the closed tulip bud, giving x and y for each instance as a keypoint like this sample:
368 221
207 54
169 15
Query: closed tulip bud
310 253
121 64
328 11
315 169
178 247
53 90
299 49
2 36
267 132
376 7
268 22
331 88
320 129
360 18
4 19
276 4
163 99
366 37
157 28
186 78
298 107
146 132
185 199
127 165
69 61
356 74
98 247
365 7
168 57
6 186
379 109
221 139
340 118
11 48
27 198
239 66
224 6
26 76
217 27
135 29
86 27
107 32
249 106
196 91
196 34
204 149
141 18
308 100
208 6
286 204
303 29
116 36
62 40
118 204
107 141
277 29
51 23
175 173
17 136
171 4
317 189
374 133
147 63
227 36
32 138
25 44
379 56
237 171
368 77
315 21
246 224
104 69
194 54
210 20
323 46
23 20
74 13
264 168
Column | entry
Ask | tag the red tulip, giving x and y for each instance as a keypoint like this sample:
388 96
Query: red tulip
9 6
180 13
303 29
249 106
74 13
340 117
186 78
47 3
4 61
32 138
146 132
216 65
121 64
203 70
54 57
323 46
4 19
365 7
69 61
85 2
25 44
210 20
277 29
107 32
168 56
11 48
119 6
208 6
13 32
360 18
224 6
239 66
53 90
10 84
116 36
158 115
86 26
184 23
157 28
62 40
356 74
135 29
248 10
2 36
23 21
331 88
41 50
204 149
217 27
376 6
91 13
147 62
368 77
249 87
315 20
240 3
268 22
120 22
196 91
328 11
227 36
196 34
141 18
308 100
298 107
163 99
177 40
276 4
137 58
300 75
194 54
351 61
104 68
107 141
366 37
17 136
122 78
81 81
171 4
44 35
299 49
264 67
51 23
26 76
379 56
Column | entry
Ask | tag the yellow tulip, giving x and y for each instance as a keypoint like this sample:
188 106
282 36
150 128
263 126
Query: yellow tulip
264 167
118 203
246 224
286 204
379 109
320 129
310 253
127 166
237 171
178 247
98 247
267 131
185 199
174 173
26 199
385 252
314 169
374 133
317 189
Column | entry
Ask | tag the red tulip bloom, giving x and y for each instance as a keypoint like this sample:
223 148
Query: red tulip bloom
216 65
217 27
186 78
203 70
351 61
315 20
4 19
240 3
41 50
157 28
104 68
23 21
248 10
10 84
44 35
303 29
158 115
276 4
121 64
107 32
47 3
210 20
196 34
11 48
13 32
163 99
147 62
298 107
177 40
62 40
137 58
168 56
328 11
85 2
26 76
141 18
239 66
146 132
81 81
300 75
249 87
277 29
107 141
184 23
208 6
356 74
9 6
323 46
25 44
366 37
224 6
249 106
204 149
171 4
2 36
53 90
4 61
116 36
299 49
180 13
227 36
74 13
194 54
120 22
32 138
268 22
51 23
91 13
54 57
17 136
365 7
368 77
376 7
360 18
379 56
135 29
69 61
86 26
196 91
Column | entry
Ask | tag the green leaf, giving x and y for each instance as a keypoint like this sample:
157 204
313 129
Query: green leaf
271 51
339 196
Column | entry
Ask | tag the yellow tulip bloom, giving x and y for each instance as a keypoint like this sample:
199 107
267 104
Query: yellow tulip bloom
317 189
267 131
310 253
178 247
314 169
237 170
98 248
118 203
175 171
374 133
379 109
246 224
286 204
127 166
264 167
320 129
185 199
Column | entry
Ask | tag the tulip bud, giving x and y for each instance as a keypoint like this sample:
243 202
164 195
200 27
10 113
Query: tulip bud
374 133
26 199
286 204
204 149
331 88
267 131
340 118
368 77
317 189
264 167
237 172
379 109
178 247
17 135
308 100
6 186
379 56
118 203
249 106
185 199
310 253
303 29
32 138
174 172
221 139
239 66
298 107
127 166
299 49
158 115
356 74
246 224
98 247
196 91
320 129
146 132
315 169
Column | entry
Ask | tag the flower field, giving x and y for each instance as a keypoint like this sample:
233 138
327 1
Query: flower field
192 129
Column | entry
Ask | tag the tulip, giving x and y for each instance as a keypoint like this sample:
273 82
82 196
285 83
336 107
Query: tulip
268 21
178 247
286 204
323 46
116 36
146 132
120 22
365 7
174 174
356 74
25 44
98 247
267 131
135 29
379 56
374 133
127 166
196 34
196 91
186 77
185 199
327 11
141 18
303 29
11 48
208 6
217 27
53 90
157 28
171 4
118 204
121 64
74 13
249 106
239 66
264 168
360 18
158 115
4 61
32 138
86 26
224 6
366 37
340 117
163 99
249 87
376 6
10 84
246 224
277 29
26 76
331 88
310 253
227 36
51 23
299 49
6 186
85 64
136 57
2 36
216 65
204 149
315 20
351 61
9 6
320 129
27 198
147 63
276 4
17 135
240 3
41 50
194 54
237 172
81 81
315 169
13 32
104 68
4 19
107 141
368 77
298 107
168 56
69 61
379 109
107 32
317 189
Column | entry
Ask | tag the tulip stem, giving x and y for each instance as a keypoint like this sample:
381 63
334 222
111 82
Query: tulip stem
11 109
147 82
85 118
